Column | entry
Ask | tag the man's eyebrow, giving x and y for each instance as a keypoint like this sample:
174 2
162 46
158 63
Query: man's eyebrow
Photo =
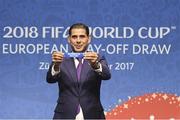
78 35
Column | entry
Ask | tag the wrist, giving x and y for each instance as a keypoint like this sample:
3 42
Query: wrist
96 65
56 66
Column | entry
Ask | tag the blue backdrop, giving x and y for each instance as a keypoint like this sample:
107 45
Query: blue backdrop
24 92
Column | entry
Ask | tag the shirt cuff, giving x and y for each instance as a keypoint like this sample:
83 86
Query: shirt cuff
53 72
99 70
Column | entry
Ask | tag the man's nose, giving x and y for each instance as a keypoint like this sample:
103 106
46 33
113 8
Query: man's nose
78 40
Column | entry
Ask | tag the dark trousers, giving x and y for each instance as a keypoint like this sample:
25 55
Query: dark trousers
60 116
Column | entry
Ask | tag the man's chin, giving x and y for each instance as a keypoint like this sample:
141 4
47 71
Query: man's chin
78 50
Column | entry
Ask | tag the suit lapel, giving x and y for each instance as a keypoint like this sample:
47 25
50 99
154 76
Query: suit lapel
84 72
72 70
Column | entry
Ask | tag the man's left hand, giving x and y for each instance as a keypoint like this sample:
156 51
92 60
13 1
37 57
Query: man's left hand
92 57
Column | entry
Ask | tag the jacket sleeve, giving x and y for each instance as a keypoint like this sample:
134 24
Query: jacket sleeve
105 74
52 78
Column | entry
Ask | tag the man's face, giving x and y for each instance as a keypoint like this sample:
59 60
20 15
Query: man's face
79 39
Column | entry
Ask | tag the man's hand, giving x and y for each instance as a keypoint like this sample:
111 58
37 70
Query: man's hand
92 57
57 58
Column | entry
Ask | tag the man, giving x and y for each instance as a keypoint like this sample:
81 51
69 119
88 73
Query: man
79 80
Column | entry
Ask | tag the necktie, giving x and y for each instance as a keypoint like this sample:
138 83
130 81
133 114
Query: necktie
79 67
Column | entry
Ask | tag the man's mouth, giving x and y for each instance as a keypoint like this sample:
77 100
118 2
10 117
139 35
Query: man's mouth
78 46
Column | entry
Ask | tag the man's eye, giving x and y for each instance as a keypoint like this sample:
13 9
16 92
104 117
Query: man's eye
82 36
74 37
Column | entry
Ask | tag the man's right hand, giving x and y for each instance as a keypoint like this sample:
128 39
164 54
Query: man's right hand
57 58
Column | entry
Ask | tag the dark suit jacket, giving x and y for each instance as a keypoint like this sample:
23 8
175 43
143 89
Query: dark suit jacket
86 92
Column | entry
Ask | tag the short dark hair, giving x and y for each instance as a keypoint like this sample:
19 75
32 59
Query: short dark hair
79 25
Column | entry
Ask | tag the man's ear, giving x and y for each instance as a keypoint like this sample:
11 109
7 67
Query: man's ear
68 39
89 40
